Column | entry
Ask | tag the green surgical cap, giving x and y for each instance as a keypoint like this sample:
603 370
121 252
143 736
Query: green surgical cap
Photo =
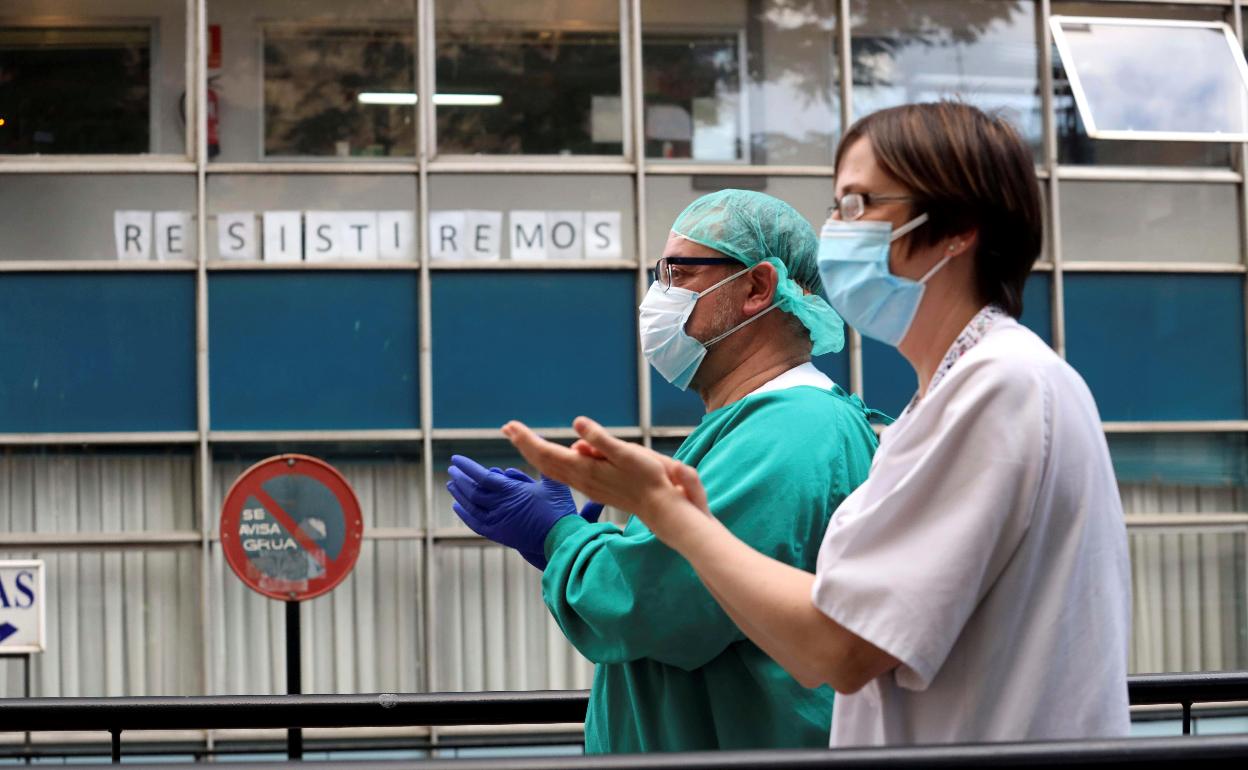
753 227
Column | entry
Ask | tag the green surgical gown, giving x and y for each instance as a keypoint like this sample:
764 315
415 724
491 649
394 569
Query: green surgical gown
673 672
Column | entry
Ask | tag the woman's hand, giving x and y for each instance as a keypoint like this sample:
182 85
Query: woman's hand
662 492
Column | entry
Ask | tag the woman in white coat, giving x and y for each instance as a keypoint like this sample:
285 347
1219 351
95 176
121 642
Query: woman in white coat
976 587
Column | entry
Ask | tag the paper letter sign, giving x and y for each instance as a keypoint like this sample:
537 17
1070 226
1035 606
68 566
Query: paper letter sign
283 236
528 235
484 230
175 241
396 235
132 231
602 235
446 234
236 235
322 236
359 235
563 230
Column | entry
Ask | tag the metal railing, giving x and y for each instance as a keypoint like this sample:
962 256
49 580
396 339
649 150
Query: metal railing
116 715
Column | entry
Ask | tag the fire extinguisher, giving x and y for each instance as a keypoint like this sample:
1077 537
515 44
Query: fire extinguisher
214 106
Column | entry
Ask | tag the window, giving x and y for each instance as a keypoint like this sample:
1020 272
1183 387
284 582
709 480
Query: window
509 85
738 82
292 80
1074 146
82 91
1127 82
339 91
984 53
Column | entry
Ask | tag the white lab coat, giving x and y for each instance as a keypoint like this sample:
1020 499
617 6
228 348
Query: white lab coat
987 552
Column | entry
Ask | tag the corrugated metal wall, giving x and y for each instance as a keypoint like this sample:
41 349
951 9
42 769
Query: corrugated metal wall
128 621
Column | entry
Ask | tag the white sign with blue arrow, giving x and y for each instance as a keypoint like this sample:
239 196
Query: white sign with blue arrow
23 615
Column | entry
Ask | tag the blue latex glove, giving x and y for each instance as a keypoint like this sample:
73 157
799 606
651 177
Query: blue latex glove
510 508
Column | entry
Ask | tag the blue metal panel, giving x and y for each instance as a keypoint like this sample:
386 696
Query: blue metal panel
313 350
671 407
97 352
542 347
888 380
1159 347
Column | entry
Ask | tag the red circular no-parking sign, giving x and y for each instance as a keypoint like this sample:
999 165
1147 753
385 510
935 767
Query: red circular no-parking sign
291 527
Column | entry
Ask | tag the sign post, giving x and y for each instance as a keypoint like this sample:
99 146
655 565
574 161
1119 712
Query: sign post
291 530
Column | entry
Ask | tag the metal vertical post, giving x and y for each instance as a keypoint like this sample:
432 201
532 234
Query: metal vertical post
294 675
1241 166
845 59
1058 309
634 95
26 694
426 120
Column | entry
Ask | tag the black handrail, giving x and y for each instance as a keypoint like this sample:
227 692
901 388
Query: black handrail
1135 753
224 712
116 715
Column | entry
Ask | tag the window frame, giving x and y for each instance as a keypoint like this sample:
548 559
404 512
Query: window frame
1071 66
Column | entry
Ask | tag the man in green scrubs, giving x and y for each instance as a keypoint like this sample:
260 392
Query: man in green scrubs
779 447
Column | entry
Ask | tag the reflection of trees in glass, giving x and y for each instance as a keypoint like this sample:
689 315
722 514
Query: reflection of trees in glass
983 52
75 91
313 77
549 81
681 71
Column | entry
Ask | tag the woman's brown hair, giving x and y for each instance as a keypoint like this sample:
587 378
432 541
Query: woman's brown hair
967 170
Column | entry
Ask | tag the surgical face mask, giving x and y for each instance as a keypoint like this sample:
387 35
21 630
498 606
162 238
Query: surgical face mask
661 320
853 262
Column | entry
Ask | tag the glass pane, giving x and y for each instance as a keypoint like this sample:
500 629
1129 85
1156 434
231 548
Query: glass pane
119 217
363 637
494 632
1073 144
353 334
531 218
97 352
1153 222
312 218
318 79
529 77
571 349
1131 88
87 83
97 489
741 82
1190 605
1158 347
124 622
984 53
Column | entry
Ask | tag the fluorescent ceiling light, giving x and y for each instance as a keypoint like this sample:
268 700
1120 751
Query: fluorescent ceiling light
373 97
467 100
446 100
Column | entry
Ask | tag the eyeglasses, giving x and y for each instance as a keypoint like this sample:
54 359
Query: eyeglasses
853 205
665 273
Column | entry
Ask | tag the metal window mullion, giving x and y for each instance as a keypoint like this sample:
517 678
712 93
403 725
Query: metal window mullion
1057 309
425 86
845 59
196 126
1241 166
630 14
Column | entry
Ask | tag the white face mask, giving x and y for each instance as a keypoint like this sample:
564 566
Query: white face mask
661 320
